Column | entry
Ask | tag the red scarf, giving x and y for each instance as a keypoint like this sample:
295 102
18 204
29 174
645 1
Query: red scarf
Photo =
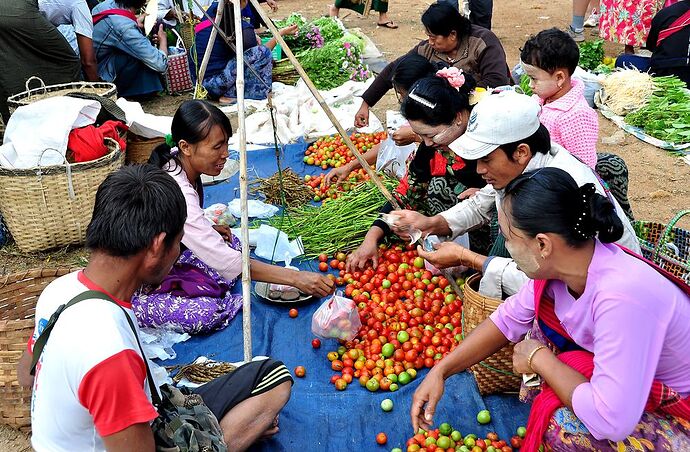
677 25
661 397
113 12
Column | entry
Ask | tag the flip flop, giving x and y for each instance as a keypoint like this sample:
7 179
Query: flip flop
390 24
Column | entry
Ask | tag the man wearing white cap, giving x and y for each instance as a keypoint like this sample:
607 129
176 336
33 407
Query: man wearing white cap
506 139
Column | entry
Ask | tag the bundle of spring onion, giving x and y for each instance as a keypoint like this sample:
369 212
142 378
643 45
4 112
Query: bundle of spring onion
338 225
627 90
666 115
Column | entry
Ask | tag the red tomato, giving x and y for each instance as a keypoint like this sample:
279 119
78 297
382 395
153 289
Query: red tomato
323 267
316 343
300 371
322 257
292 313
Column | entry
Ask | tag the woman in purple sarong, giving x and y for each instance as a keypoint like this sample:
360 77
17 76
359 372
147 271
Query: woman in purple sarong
196 296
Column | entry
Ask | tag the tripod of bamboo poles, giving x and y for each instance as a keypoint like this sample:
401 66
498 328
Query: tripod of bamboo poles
244 229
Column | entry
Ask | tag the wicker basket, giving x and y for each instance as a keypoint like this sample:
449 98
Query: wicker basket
51 206
139 148
666 245
18 295
187 33
495 373
29 96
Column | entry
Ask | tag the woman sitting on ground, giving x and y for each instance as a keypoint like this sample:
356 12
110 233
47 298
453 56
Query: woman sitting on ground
436 176
608 330
196 294
221 72
125 55
453 41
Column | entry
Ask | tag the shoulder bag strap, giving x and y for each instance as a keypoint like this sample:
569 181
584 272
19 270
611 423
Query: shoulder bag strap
90 295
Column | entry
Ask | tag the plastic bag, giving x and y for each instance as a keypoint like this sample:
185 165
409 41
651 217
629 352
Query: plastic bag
336 318
219 214
255 209
392 158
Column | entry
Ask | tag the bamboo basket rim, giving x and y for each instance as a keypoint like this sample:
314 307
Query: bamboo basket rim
27 97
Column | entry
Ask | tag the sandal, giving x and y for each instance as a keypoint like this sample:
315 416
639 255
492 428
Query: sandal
390 24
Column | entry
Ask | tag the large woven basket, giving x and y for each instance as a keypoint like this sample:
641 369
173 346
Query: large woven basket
48 207
18 295
139 148
29 96
666 245
495 373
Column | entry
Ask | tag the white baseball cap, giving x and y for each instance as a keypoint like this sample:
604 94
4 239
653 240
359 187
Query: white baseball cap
497 119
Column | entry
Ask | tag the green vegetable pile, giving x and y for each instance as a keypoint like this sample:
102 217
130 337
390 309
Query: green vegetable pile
667 114
591 54
524 84
338 225
329 28
335 63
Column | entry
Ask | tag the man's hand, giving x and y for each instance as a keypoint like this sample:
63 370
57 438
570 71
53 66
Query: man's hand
447 254
336 176
428 393
272 4
362 116
359 257
468 193
162 39
521 352
404 136
406 220
224 231
314 284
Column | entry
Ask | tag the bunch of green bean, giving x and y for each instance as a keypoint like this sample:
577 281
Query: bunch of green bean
337 225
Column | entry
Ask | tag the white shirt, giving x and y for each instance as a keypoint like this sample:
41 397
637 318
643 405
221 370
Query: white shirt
501 274
90 379
68 12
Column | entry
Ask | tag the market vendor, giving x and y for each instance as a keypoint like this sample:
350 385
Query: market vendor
436 176
608 331
668 40
125 55
221 72
505 138
452 40
196 295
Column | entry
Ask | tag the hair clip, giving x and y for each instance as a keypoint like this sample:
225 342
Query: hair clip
169 140
421 100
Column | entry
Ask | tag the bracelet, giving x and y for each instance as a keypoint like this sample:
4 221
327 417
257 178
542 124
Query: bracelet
531 355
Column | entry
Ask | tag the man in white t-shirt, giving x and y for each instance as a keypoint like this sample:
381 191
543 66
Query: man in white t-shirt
90 391
77 14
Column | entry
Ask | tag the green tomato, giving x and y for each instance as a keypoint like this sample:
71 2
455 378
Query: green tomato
443 442
403 336
397 449
387 350
464 448
450 298
394 387
387 405
404 266
469 442
484 417
445 429
455 435
373 385
393 378
491 449
386 284
341 350
521 432
404 378
418 262
429 441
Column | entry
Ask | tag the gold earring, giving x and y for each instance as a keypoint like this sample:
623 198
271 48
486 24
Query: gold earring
542 256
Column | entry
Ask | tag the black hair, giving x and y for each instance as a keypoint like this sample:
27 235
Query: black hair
550 50
441 19
409 69
548 200
440 101
192 123
539 143
137 4
133 205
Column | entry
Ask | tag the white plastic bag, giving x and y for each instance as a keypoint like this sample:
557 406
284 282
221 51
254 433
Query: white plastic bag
336 318
274 244
392 159
255 209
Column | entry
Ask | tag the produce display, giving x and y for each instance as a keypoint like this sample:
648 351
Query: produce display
410 320
627 90
333 191
283 188
331 151
338 225
446 438
591 54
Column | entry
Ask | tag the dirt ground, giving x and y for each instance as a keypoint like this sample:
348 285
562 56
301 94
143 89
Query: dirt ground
658 181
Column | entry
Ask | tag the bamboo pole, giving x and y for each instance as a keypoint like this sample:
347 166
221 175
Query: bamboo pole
315 92
244 228
209 45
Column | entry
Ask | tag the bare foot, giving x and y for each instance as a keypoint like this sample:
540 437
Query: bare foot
333 11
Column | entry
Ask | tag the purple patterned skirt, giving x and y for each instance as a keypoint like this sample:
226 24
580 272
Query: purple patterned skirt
655 431
193 298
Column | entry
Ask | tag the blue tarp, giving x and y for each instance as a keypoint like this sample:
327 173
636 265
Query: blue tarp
317 417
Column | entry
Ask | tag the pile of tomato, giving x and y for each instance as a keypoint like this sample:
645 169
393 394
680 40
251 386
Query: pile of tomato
332 191
410 318
331 151
446 438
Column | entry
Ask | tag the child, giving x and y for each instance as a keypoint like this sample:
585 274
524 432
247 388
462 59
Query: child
549 59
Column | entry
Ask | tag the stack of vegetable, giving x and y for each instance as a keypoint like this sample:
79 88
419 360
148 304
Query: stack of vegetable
284 188
331 151
627 90
338 225
333 191
591 54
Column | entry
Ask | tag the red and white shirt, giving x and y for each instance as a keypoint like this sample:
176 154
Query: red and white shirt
91 378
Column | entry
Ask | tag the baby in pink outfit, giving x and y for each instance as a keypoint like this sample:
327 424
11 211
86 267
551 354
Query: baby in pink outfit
549 59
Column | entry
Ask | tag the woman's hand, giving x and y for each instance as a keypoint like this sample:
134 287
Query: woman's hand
224 231
362 116
447 254
314 284
428 393
404 136
288 31
272 4
468 193
521 353
359 257
336 175
162 39
409 219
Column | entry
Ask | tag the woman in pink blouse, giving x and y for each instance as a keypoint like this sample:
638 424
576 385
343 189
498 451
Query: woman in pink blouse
609 331
196 295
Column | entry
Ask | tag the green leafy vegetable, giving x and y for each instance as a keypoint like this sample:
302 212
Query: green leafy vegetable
329 28
591 54
524 84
